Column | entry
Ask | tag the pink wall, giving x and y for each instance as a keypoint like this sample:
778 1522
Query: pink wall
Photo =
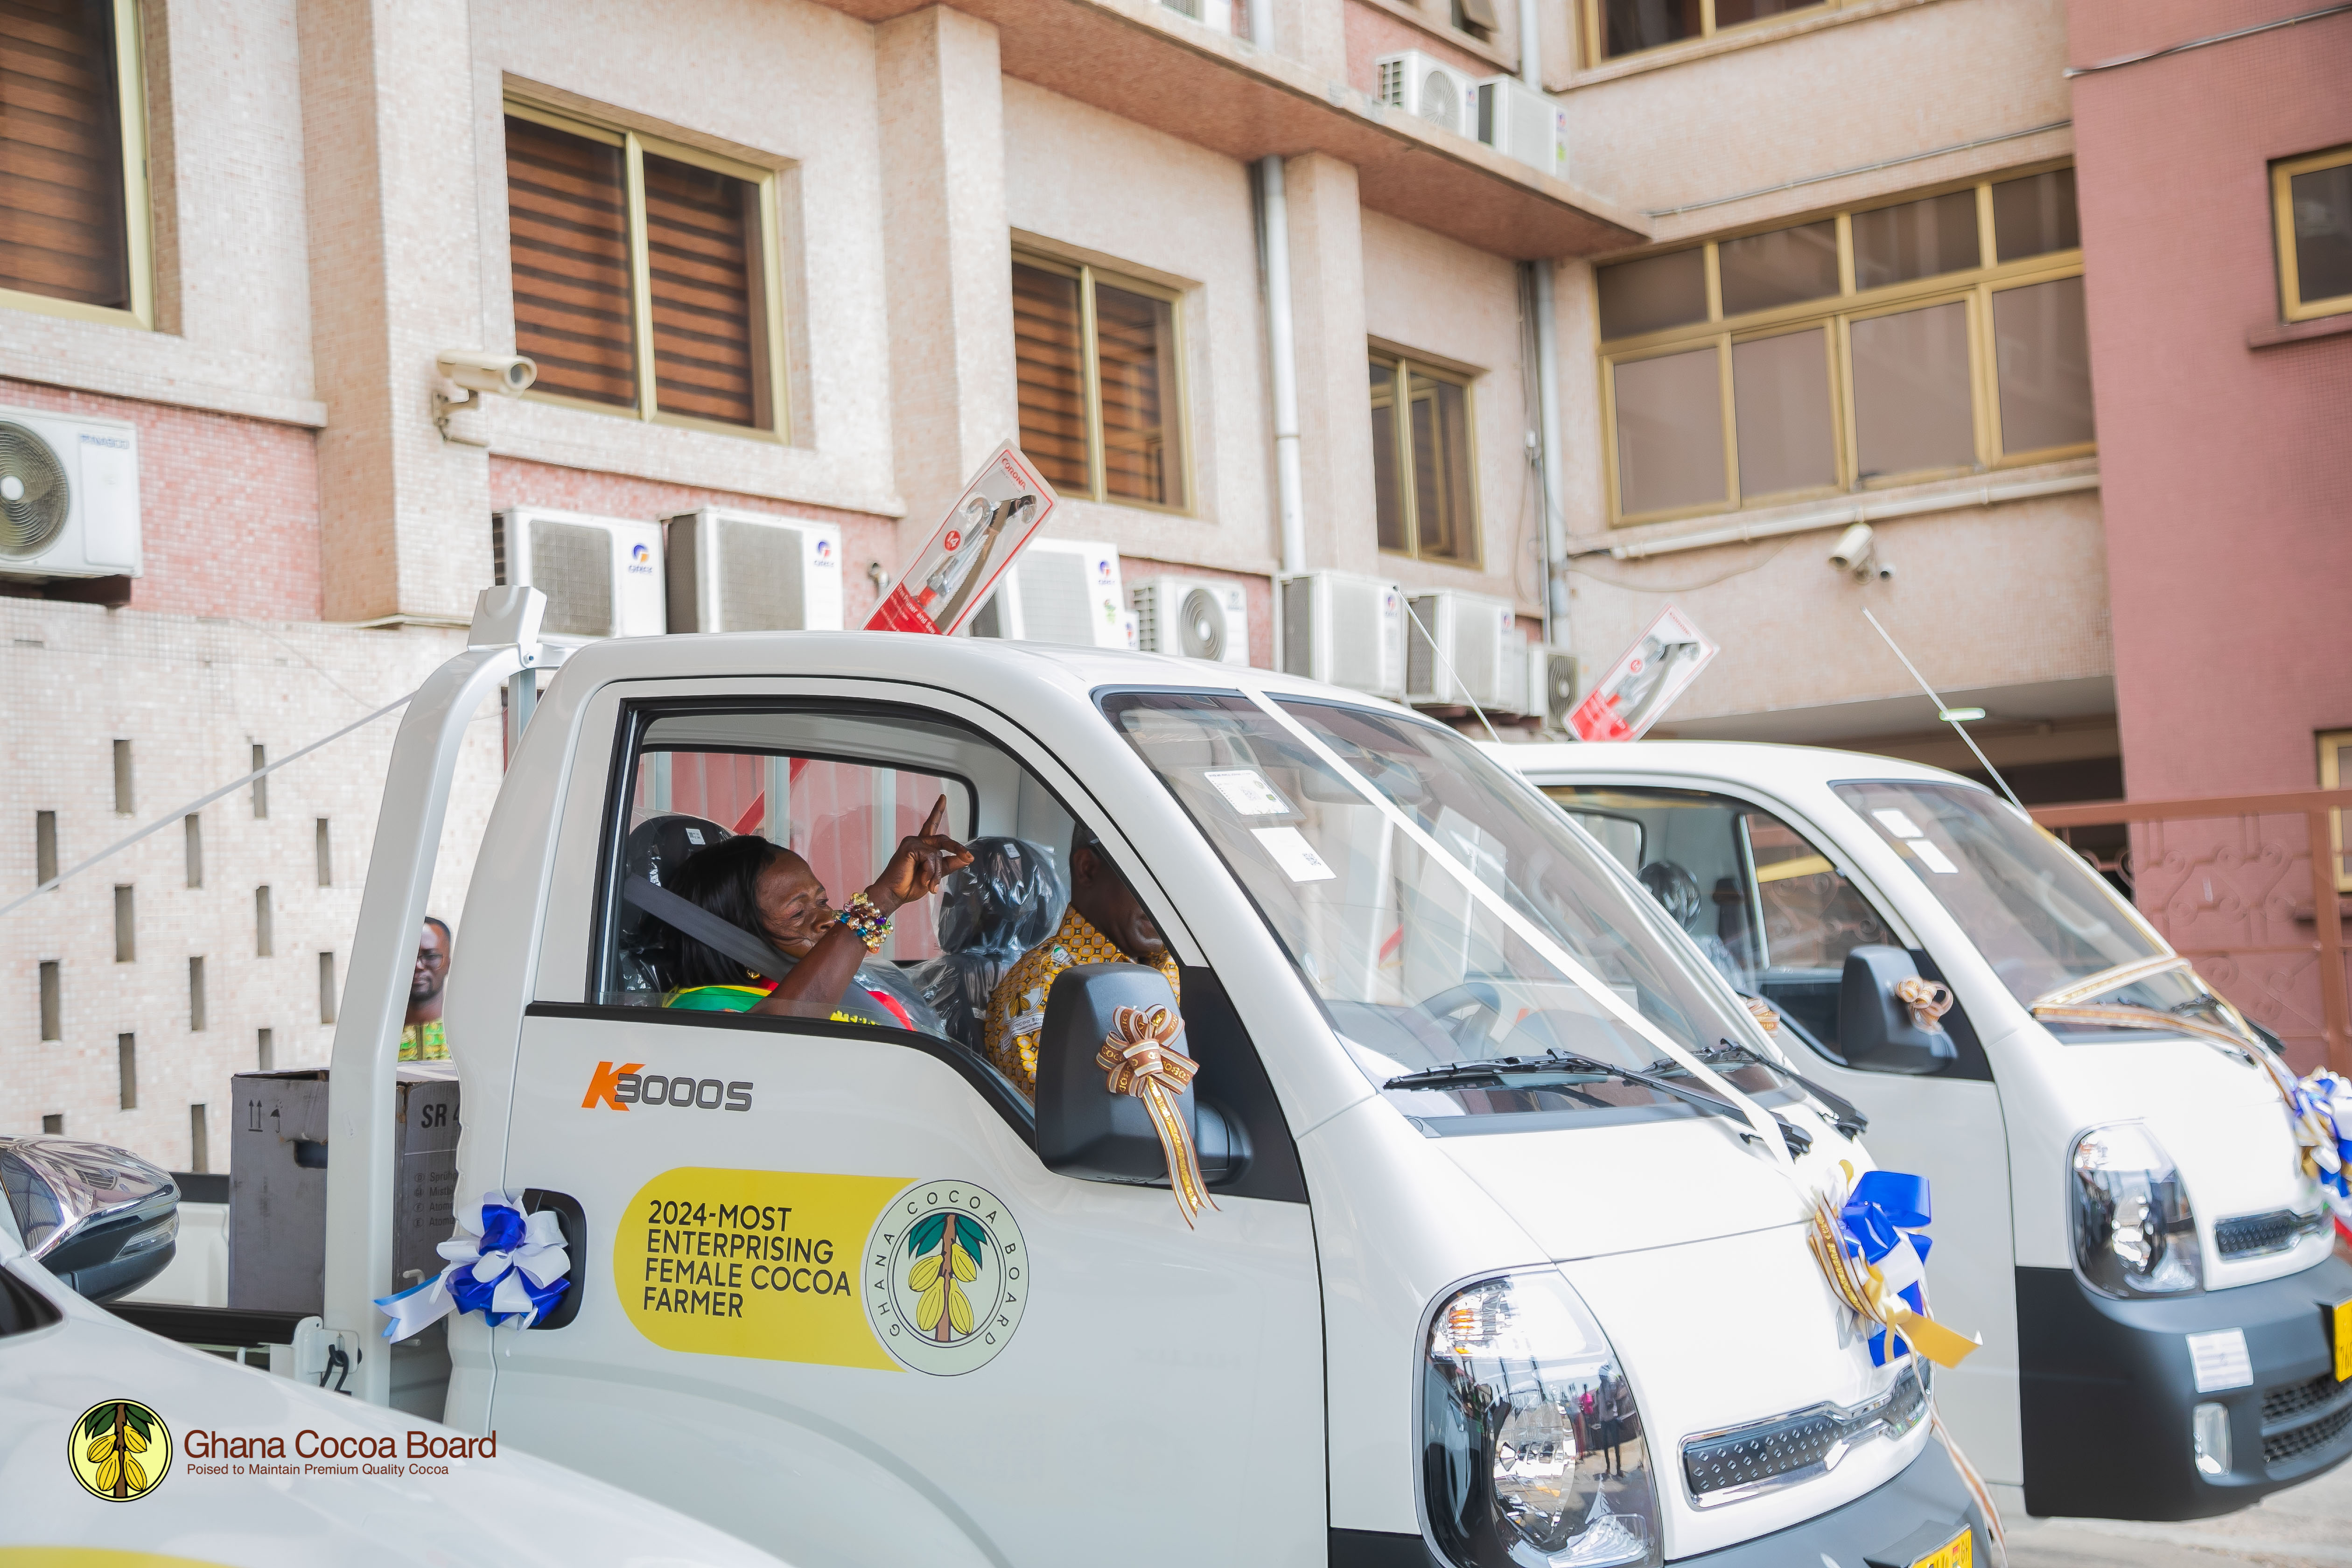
228 507
2226 468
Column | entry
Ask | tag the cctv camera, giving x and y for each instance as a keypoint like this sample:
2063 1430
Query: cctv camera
1852 551
510 374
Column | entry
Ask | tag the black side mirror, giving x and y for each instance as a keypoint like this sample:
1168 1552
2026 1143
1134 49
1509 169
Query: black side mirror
1876 1026
1082 1128
101 1219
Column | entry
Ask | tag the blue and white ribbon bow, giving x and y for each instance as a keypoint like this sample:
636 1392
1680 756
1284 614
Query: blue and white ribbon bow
504 1263
2321 1107
1869 1245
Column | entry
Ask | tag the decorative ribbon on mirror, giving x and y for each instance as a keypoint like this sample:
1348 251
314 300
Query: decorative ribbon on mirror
1762 1011
1928 1000
1866 1238
2323 1135
503 1262
1141 1058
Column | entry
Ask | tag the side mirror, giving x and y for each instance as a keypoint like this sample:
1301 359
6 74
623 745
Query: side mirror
1082 1128
101 1219
1876 1027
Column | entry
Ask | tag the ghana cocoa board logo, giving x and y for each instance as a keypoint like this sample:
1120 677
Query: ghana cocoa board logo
946 1278
120 1450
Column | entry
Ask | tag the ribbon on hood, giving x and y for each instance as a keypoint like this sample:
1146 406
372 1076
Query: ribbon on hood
1867 1240
2321 1106
506 1264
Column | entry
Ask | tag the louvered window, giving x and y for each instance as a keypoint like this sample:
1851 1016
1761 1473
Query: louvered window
644 275
73 186
1097 361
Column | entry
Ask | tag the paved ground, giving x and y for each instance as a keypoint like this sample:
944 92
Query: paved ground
2309 1525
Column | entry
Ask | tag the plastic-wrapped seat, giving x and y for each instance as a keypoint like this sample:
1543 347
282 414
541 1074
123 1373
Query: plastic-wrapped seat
657 846
1008 900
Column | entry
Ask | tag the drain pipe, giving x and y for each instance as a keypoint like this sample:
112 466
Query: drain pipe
1555 518
1274 220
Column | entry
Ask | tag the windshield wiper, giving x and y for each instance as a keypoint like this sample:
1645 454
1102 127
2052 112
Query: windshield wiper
1560 1069
1845 1114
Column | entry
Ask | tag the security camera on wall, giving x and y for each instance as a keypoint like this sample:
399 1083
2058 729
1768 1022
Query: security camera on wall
473 374
1856 554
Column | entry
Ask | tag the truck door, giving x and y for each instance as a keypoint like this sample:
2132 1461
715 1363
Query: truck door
1776 912
828 1297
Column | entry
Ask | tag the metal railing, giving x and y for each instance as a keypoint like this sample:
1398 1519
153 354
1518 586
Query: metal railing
2231 881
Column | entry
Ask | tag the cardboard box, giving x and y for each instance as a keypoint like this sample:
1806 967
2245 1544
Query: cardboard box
277 1183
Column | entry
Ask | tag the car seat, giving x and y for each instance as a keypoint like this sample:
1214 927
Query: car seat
1008 900
655 847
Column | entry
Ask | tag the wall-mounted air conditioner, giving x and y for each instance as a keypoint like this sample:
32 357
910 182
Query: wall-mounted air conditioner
1551 684
1475 643
1418 85
68 496
1519 123
1194 616
1217 15
602 576
1058 590
746 572
1345 630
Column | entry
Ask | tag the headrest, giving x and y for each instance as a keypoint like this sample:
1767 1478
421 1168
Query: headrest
1009 899
657 846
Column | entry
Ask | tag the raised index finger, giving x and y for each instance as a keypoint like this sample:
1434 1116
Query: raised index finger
939 813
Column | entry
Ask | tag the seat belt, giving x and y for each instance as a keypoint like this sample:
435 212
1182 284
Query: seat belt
721 936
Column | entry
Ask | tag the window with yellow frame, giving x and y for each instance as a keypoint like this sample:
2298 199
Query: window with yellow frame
1425 460
1615 28
75 224
2335 753
1916 338
2311 201
1098 369
646 276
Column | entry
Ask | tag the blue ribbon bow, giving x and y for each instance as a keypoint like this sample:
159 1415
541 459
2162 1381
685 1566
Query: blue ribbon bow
506 1265
1886 1210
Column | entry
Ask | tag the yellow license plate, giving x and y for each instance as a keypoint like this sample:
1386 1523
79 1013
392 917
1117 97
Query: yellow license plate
1959 1552
2341 1323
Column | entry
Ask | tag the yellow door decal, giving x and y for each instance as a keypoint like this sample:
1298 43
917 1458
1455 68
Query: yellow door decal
753 1263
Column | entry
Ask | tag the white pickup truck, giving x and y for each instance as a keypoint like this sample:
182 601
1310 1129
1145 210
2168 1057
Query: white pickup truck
2119 1204
1509 1260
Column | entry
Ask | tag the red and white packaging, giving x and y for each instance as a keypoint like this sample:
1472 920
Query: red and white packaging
1644 681
988 525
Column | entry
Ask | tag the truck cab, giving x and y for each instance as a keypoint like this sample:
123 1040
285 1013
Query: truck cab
841 1287
2119 1203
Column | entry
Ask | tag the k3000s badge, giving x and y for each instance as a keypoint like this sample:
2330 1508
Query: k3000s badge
946 1278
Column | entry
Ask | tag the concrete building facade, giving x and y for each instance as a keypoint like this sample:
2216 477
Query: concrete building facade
814 260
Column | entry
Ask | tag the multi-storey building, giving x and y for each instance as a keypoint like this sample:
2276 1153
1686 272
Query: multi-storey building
1567 308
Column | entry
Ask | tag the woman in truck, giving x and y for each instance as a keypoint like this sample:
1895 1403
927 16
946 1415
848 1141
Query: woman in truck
766 889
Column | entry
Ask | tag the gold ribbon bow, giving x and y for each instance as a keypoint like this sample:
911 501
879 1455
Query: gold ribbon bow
1140 1055
1862 1286
1928 1001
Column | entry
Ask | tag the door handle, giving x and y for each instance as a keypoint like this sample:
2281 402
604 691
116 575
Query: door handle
575 1221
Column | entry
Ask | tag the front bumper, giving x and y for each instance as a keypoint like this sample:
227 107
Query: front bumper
1892 1526
2106 1388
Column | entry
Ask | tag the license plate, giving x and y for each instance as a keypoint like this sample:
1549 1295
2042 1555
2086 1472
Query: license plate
1959 1552
2341 1323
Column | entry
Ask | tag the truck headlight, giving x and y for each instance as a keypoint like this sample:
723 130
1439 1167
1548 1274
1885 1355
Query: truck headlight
2134 1233
1533 1455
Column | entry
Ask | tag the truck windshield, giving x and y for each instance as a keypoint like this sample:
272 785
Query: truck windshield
1414 969
2042 918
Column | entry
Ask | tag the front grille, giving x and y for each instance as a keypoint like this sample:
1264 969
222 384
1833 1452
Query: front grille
2294 1398
1723 1467
2252 1235
2278 1447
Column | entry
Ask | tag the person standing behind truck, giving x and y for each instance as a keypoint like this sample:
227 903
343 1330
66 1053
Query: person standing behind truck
1105 923
421 1036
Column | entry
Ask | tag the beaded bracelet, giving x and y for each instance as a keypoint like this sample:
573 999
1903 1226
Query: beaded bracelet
870 925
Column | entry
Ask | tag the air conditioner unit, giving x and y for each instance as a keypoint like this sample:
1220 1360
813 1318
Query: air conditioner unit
1344 630
1193 617
1519 123
1551 684
747 572
1431 89
1061 591
602 576
1474 637
1217 15
68 496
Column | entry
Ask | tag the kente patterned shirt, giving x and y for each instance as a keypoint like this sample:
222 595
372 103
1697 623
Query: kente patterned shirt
1017 1010
425 1042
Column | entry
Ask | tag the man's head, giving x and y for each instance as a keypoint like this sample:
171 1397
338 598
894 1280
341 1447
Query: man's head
1099 892
432 971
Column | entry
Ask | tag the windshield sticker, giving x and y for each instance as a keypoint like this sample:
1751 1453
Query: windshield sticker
946 1278
1897 823
1937 860
1246 791
751 1263
1290 850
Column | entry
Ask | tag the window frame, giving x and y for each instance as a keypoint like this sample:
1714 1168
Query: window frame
138 217
1595 29
1405 365
769 300
2292 306
1977 286
1087 275
2331 776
